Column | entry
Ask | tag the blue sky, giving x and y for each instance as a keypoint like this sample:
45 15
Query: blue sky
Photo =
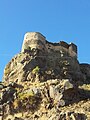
67 20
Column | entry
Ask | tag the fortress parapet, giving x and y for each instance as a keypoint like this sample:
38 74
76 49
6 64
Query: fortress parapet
38 41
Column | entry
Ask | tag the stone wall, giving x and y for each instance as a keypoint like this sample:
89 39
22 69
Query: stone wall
37 40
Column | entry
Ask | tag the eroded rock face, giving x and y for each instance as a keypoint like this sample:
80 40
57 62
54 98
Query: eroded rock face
54 60
42 80
85 69
42 100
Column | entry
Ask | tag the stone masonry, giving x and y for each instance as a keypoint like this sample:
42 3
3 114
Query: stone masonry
37 40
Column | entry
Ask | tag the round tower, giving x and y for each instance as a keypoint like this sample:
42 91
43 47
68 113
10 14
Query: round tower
33 40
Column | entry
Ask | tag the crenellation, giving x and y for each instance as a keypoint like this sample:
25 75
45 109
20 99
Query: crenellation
64 44
73 47
38 41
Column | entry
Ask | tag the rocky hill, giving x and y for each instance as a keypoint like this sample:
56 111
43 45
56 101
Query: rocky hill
45 81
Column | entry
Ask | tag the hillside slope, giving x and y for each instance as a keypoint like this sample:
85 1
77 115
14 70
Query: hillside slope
45 82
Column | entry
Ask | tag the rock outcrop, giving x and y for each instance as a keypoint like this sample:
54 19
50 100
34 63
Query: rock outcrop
54 60
45 82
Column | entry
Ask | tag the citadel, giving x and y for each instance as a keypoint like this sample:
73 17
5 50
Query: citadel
37 40
44 82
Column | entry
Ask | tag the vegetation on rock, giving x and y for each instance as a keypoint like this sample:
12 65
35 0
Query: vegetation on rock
45 82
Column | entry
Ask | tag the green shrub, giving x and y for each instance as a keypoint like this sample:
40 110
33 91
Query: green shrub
27 101
23 96
36 70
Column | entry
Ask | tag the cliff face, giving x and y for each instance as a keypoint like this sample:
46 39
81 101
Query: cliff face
44 82
54 60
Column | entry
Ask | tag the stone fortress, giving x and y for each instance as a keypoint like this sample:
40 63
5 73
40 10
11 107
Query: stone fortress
55 60
37 40
45 81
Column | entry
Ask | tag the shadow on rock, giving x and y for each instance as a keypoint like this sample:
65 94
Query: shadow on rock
74 96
